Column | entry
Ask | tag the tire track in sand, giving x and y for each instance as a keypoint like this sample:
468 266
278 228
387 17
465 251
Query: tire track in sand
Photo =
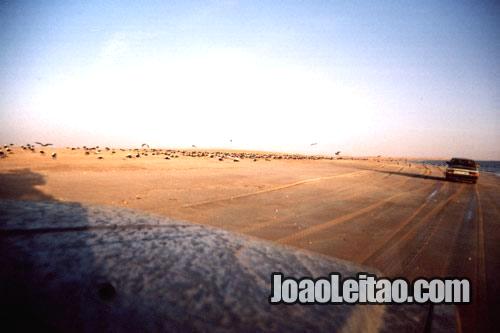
469 247
258 226
403 225
480 287
431 230
386 258
272 189
344 218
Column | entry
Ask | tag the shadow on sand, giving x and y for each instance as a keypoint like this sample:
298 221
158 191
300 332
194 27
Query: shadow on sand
21 185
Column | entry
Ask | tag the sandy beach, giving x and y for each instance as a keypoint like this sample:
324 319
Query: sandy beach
396 216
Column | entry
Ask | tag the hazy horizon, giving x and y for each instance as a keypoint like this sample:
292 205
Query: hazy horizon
395 79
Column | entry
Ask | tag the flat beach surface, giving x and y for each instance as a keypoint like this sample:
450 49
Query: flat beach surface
396 216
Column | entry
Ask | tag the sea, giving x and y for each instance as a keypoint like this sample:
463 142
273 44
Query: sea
488 166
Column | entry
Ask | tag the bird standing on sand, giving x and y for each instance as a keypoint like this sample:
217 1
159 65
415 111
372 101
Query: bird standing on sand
54 155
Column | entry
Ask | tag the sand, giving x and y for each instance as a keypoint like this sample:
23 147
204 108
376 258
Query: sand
401 219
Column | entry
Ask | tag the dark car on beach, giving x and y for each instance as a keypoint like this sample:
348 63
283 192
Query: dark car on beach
462 169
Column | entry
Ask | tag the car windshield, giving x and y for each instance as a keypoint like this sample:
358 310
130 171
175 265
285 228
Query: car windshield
463 163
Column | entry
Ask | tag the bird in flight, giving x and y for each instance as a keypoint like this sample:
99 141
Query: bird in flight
145 145
337 153
43 144
314 144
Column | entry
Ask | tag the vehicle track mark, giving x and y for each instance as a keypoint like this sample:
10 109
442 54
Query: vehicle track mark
258 226
326 225
392 238
276 188
429 232
481 294
405 235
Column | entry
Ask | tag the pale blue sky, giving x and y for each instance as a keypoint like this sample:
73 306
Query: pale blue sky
414 78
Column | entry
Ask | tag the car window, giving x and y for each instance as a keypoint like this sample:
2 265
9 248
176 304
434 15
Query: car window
463 162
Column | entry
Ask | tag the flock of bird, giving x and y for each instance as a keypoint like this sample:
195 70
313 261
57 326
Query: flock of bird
166 154
7 149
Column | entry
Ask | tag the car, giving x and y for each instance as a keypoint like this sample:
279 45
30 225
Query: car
462 169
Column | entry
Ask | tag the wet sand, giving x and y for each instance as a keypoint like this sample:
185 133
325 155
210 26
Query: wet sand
402 219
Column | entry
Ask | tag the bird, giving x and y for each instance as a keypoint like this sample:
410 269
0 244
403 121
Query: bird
54 155
44 144
314 144
145 145
337 153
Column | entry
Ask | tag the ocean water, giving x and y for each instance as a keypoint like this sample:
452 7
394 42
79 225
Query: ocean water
484 166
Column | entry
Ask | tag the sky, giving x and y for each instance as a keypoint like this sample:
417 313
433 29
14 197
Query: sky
393 78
